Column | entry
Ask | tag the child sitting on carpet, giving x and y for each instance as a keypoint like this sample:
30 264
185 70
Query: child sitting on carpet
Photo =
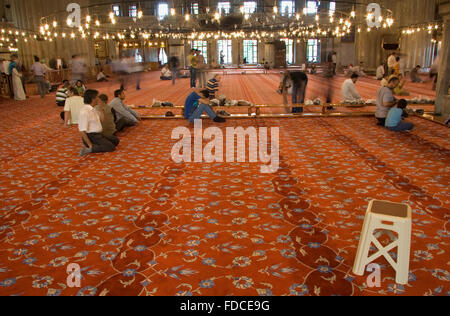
394 118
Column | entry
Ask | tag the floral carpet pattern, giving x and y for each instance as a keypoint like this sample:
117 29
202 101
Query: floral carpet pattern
139 224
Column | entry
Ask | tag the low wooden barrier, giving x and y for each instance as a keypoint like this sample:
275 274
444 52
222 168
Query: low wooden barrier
255 111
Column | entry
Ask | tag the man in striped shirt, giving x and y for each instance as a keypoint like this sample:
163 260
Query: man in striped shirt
213 86
61 94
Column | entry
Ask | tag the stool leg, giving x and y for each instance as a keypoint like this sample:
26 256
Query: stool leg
363 247
404 250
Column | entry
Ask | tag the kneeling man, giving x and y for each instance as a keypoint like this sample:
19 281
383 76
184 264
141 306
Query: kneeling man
90 127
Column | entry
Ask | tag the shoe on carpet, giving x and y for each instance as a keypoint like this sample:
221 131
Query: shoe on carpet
85 151
169 114
219 119
223 113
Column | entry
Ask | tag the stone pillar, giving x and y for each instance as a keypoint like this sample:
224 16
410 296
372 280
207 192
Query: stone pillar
442 96
300 52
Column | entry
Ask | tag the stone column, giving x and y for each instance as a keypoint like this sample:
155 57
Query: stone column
442 96
300 52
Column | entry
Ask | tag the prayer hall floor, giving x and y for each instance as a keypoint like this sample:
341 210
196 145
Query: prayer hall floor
137 224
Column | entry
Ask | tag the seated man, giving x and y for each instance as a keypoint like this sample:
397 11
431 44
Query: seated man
101 77
351 70
90 127
61 94
384 81
415 75
108 120
80 87
349 93
125 116
386 100
72 108
213 86
381 72
394 118
197 103
399 89
166 74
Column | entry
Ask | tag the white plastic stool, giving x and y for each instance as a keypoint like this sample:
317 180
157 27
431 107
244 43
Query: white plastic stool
391 217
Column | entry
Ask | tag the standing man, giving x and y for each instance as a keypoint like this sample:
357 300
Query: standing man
78 69
334 61
90 127
300 82
174 64
386 100
125 116
222 57
39 76
194 66
201 69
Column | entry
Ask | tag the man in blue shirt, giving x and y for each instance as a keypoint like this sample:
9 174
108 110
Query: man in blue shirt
197 103
394 118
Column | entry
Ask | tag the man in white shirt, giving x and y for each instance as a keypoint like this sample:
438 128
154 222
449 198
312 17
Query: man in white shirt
334 61
349 93
101 77
90 127
39 76
74 104
386 100
392 60
380 72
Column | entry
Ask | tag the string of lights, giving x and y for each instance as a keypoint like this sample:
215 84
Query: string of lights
151 29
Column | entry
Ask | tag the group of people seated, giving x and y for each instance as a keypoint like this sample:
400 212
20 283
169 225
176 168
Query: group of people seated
166 73
358 70
390 111
97 121
63 91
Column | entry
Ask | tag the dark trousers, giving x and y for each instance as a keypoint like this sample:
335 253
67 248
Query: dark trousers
299 94
122 123
102 143
193 77
41 85
174 74
401 127
381 121
63 116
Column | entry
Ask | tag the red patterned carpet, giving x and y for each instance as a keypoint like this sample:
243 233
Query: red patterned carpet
138 224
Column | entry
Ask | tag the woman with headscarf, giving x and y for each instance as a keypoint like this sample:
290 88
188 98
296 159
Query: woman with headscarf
16 78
